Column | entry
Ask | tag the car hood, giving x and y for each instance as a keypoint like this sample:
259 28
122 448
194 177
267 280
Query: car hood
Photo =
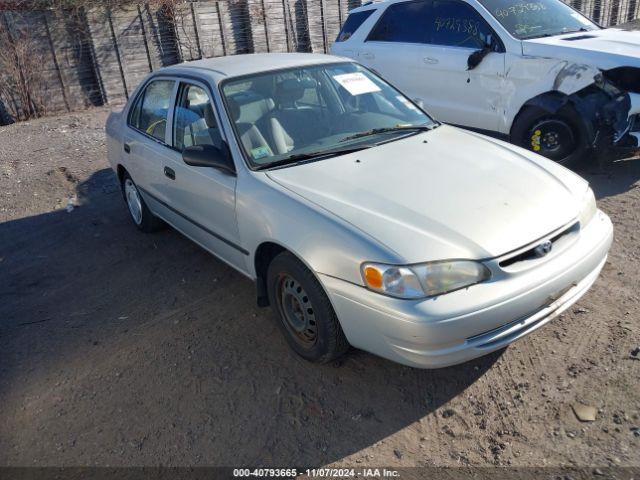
605 49
442 194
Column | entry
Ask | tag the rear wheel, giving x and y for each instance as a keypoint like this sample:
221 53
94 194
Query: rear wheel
555 136
304 312
138 210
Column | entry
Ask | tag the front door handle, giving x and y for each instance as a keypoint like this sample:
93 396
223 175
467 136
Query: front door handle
367 55
168 172
127 148
430 60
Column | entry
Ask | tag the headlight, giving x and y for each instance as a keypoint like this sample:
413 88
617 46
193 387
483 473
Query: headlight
588 208
423 280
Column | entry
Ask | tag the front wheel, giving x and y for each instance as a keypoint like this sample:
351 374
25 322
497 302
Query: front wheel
555 136
304 312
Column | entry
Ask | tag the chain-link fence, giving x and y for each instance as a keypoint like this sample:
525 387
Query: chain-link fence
72 56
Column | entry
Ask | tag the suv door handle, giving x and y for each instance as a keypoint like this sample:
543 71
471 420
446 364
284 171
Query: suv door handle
430 60
127 148
170 173
367 55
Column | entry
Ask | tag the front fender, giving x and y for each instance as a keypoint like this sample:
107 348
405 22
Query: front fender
326 244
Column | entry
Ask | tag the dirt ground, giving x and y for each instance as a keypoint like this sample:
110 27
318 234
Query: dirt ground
120 348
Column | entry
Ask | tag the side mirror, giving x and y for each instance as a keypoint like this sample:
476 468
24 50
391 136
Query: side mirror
488 42
476 57
209 156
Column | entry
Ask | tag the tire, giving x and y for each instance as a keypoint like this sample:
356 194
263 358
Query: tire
139 213
304 313
555 136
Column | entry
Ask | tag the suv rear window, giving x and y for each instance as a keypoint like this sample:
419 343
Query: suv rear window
405 22
352 24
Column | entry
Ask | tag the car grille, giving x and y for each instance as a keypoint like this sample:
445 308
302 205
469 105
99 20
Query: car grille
529 254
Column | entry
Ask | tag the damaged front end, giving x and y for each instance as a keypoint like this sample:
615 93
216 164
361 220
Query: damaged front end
626 80
608 108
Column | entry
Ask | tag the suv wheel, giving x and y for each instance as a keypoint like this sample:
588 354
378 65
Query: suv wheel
556 136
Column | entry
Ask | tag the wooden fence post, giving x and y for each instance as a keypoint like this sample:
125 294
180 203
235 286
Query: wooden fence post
144 39
63 88
196 28
264 22
221 26
324 26
117 52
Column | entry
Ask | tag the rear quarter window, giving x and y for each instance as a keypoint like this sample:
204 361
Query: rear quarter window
352 24
405 22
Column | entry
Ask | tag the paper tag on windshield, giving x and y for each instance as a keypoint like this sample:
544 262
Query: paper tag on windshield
356 83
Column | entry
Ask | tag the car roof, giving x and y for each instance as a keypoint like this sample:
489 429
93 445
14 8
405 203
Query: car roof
219 68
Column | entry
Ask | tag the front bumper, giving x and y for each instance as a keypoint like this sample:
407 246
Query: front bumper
629 136
469 323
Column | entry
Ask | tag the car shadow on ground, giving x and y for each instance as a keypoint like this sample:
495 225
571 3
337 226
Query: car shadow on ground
123 348
613 178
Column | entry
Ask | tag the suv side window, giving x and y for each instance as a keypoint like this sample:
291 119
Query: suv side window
149 115
194 120
405 22
354 20
457 24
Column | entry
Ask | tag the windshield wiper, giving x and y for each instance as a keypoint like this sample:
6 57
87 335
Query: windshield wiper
562 32
298 158
538 35
398 128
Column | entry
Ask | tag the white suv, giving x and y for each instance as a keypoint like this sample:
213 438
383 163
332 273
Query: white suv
538 73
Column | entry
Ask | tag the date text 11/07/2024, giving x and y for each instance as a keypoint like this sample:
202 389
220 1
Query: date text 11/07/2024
315 472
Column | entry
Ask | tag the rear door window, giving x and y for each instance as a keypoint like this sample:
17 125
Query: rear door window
405 22
352 24
457 24
150 113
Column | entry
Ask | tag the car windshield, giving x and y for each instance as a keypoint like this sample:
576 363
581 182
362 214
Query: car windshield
540 18
307 113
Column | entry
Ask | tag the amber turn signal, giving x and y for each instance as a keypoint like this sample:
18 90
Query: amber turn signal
373 277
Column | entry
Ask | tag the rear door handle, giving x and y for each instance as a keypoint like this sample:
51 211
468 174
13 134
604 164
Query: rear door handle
430 60
170 173
367 55
127 148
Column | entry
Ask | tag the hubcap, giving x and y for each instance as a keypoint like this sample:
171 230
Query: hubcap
553 138
297 311
133 201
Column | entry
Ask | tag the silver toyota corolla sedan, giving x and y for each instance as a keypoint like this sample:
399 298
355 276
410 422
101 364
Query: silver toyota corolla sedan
362 220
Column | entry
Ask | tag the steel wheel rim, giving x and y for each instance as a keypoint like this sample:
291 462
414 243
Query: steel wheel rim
553 138
297 311
133 201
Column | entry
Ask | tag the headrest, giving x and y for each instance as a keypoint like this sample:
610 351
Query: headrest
209 117
234 109
289 90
